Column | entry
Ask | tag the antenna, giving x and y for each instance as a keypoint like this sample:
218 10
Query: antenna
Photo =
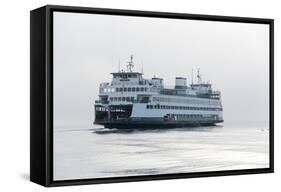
130 64
141 67
192 76
199 77
119 65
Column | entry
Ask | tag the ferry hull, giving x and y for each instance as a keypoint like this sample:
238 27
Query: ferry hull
157 124
120 117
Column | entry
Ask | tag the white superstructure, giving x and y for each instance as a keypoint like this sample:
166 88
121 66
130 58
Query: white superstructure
132 101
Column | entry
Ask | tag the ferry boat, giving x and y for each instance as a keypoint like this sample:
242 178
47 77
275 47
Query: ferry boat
131 101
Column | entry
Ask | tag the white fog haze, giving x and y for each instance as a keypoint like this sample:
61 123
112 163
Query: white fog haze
234 57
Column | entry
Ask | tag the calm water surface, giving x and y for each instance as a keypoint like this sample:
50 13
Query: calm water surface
93 152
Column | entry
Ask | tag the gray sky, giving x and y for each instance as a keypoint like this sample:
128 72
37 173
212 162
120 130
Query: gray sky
234 57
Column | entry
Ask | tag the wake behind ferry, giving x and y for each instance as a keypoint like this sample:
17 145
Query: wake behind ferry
131 101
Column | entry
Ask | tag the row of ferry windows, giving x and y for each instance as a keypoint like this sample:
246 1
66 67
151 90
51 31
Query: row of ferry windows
122 99
184 100
182 108
188 116
185 115
125 89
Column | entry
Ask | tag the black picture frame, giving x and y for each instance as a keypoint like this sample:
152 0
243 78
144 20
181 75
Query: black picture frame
41 94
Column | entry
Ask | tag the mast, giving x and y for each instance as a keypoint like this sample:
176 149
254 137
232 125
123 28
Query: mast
119 65
141 67
130 64
199 77
192 76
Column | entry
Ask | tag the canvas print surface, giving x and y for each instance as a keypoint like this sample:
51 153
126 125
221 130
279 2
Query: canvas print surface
147 96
